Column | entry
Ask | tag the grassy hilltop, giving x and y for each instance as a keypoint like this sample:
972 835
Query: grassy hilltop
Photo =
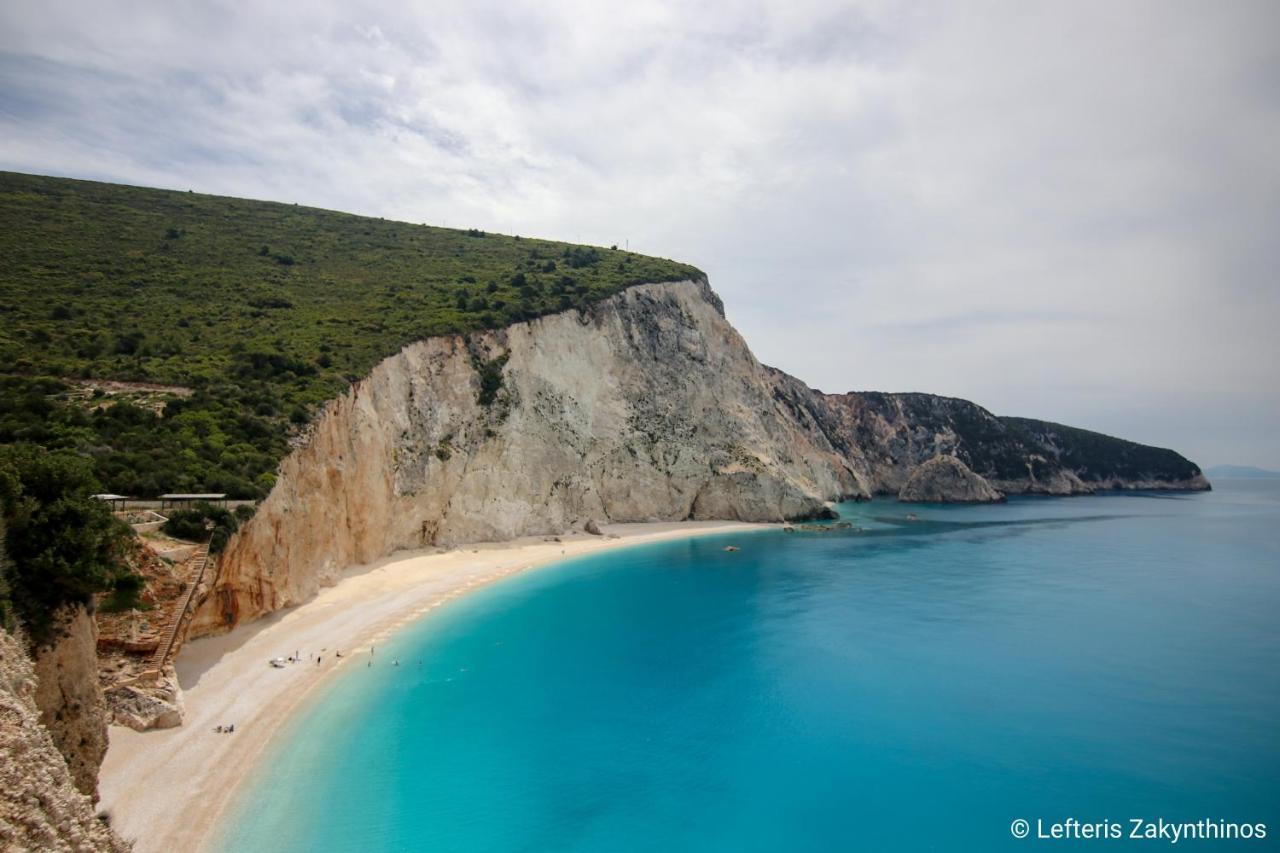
242 315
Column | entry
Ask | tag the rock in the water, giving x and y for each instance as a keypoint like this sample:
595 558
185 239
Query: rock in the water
945 479
732 548
821 528
593 528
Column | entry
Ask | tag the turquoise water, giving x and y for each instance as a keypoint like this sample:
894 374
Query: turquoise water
914 686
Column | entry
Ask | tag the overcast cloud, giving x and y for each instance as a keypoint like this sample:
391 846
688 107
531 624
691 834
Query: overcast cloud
1067 210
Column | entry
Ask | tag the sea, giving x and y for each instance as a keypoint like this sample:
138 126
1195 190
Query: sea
952 678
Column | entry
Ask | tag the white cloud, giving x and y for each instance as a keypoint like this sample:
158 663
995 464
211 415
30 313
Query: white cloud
1061 210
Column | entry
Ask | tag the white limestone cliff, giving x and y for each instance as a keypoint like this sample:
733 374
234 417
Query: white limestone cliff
649 406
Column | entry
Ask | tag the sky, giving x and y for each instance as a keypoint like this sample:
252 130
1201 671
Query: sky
1065 210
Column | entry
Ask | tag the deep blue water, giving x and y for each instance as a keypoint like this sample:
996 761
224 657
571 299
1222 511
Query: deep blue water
914 686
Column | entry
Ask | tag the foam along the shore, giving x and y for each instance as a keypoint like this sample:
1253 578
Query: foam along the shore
166 789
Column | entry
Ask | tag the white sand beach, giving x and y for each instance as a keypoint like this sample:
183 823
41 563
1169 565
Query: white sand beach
166 789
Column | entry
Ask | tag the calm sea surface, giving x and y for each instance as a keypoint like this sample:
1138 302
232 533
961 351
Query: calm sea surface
917 685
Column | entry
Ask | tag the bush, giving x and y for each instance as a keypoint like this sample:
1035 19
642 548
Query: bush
125 595
189 524
218 540
490 379
204 521
581 256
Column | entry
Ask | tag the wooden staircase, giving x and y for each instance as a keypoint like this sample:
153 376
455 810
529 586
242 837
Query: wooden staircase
169 635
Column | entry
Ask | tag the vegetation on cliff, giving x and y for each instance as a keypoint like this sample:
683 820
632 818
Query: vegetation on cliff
61 546
1097 457
241 317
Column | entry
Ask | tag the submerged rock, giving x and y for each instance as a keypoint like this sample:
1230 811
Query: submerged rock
821 528
945 479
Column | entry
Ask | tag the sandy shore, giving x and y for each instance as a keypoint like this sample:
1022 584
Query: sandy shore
166 789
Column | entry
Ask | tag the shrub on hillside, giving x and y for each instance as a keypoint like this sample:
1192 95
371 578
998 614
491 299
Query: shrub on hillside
187 524
203 522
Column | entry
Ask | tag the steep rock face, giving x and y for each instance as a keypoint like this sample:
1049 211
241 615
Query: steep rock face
647 407
888 435
40 806
945 479
70 698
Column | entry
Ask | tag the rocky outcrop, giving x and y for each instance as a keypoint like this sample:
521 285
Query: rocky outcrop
41 807
647 406
148 704
945 479
69 697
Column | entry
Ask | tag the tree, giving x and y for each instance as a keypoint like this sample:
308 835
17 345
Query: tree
63 545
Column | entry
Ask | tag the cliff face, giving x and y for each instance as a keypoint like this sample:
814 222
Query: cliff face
70 698
41 807
649 406
887 436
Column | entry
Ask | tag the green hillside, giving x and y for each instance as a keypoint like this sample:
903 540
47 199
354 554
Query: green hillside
246 315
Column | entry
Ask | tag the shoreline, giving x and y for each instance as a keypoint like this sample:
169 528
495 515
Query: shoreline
168 789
